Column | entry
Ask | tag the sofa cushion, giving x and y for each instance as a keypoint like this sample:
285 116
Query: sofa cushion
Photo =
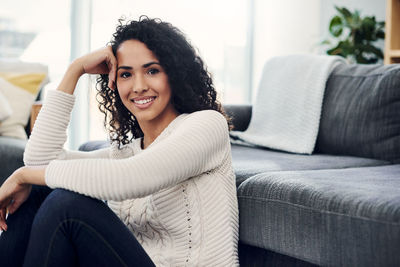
360 115
5 108
249 161
20 83
11 154
344 217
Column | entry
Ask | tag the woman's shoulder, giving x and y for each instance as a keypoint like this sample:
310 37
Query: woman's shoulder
204 121
206 116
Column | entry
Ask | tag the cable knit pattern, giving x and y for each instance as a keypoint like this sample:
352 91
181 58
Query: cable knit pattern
178 196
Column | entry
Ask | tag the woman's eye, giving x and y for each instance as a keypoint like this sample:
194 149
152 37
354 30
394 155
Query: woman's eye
125 75
153 71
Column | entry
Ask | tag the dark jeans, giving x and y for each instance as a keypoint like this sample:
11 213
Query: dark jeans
69 229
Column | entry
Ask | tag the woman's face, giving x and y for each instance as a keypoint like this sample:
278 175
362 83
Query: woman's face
143 84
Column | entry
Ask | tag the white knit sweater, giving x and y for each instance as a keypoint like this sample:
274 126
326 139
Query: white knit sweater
178 196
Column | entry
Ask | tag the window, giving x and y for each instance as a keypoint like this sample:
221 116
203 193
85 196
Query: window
29 32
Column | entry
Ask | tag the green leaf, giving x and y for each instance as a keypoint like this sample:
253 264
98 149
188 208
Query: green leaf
336 26
372 49
326 42
355 20
335 52
344 11
380 34
381 24
361 59
367 28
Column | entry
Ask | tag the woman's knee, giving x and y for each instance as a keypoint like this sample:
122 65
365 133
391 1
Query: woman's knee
59 205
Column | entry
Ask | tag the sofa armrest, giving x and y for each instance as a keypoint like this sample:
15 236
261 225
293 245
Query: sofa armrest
240 114
34 112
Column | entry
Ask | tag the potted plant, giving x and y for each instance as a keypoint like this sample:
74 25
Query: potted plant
355 36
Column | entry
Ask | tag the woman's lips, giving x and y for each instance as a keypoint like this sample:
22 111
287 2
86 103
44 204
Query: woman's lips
143 102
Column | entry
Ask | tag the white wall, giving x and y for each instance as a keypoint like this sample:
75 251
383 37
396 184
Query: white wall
291 26
283 27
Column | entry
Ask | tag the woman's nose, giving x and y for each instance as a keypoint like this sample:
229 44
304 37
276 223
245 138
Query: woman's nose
139 85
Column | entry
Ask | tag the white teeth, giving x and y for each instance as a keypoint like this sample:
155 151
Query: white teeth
143 101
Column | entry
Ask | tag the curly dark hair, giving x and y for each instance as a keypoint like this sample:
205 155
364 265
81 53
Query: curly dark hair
191 84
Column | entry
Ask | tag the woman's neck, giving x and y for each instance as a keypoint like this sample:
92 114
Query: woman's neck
152 129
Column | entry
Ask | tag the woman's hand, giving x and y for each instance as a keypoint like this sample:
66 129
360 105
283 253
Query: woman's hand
12 194
101 61
16 189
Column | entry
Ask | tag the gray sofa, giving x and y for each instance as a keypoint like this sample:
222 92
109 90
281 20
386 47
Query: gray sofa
339 206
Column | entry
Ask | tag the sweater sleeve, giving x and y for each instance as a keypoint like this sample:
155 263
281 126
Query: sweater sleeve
50 133
199 144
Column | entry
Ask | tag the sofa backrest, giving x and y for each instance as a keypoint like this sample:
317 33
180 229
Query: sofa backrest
361 112
240 115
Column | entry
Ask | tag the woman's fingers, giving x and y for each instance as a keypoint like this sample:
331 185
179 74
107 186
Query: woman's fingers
3 215
112 66
15 204
101 61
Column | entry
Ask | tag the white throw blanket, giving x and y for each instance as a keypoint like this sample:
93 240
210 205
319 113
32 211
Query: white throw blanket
288 106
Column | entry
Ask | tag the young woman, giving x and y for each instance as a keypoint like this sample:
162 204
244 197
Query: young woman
167 178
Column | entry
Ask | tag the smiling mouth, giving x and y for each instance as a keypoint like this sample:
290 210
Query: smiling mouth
143 102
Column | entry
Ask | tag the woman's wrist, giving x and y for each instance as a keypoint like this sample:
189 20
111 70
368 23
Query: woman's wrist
71 77
31 175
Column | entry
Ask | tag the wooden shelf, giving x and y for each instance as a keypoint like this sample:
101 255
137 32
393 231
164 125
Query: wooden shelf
392 38
394 53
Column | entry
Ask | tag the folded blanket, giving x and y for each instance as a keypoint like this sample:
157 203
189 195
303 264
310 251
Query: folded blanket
288 105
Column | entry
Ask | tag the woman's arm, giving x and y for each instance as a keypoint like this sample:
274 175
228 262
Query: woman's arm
199 144
49 133
101 61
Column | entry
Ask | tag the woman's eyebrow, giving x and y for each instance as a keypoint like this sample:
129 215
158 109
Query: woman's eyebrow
149 64
124 67
143 66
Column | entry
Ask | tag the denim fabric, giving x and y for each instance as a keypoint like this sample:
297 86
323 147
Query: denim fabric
74 230
248 161
14 241
344 217
360 114
11 153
